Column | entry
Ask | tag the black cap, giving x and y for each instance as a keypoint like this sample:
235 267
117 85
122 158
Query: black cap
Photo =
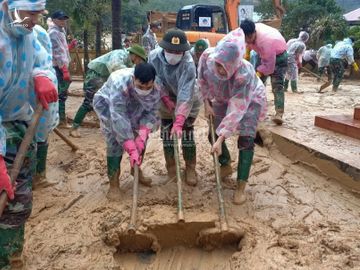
59 15
175 40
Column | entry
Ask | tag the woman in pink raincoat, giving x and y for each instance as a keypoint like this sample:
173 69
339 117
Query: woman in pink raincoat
236 99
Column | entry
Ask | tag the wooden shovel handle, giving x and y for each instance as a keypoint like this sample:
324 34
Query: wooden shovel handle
20 156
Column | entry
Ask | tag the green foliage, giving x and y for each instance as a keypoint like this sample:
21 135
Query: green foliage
355 32
266 8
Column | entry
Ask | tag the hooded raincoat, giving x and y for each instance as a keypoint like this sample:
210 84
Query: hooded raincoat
239 99
122 110
177 82
149 41
343 50
295 53
323 55
61 55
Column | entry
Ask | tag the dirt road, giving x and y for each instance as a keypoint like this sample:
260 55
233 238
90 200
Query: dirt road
295 217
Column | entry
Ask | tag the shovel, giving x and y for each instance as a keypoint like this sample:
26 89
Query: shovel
19 159
132 240
180 213
74 148
324 85
225 236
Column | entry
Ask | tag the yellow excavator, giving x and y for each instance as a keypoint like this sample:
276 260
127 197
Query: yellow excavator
213 22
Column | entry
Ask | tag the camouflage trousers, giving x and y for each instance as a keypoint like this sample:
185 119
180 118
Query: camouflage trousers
328 72
12 222
63 87
337 70
92 83
278 80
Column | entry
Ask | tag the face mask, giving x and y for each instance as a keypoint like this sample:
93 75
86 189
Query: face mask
173 59
142 92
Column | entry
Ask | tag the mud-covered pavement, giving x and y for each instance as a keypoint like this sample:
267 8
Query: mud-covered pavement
295 217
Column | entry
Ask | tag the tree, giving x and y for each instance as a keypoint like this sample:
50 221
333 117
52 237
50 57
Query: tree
116 24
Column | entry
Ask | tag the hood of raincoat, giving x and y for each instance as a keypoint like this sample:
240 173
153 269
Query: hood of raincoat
34 5
229 52
348 41
303 36
329 46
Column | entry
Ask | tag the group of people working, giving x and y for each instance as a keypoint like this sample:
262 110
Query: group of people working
133 91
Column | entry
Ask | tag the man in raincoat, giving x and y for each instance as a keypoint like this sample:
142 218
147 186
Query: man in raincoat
99 71
270 46
323 55
19 50
149 39
127 107
343 50
176 75
296 49
235 97
200 46
61 60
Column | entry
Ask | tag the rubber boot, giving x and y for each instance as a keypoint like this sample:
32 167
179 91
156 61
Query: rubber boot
286 85
225 171
245 161
113 171
190 173
39 179
78 119
277 118
170 167
294 87
146 181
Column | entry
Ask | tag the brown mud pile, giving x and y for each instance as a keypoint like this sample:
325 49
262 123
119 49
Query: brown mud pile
295 217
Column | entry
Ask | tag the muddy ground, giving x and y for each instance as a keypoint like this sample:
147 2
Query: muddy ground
295 217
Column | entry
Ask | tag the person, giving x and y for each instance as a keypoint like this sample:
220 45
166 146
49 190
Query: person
17 41
127 107
149 39
342 50
200 46
98 72
310 58
270 46
323 55
176 75
61 60
295 52
236 99
127 43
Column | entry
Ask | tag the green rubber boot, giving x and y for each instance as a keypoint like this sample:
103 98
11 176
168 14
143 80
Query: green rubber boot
41 156
189 155
11 246
294 86
113 172
286 85
78 119
245 161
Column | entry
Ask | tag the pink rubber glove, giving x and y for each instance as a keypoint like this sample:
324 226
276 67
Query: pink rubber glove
45 91
72 44
142 138
178 125
130 148
169 104
66 73
5 182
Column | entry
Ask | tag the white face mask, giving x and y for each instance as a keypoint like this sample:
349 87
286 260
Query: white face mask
142 92
173 59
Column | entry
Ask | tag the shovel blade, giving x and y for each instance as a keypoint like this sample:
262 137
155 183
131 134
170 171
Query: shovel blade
325 85
215 238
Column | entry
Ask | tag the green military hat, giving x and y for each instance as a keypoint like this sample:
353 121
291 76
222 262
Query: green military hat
175 40
138 50
201 45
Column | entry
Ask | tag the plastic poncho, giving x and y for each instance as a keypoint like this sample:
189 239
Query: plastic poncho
108 63
343 50
178 82
149 41
323 55
61 55
310 55
50 118
295 52
240 98
17 69
303 36
122 111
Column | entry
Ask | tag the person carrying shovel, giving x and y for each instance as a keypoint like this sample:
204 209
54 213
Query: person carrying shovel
99 71
17 41
176 75
127 107
235 98
323 56
342 51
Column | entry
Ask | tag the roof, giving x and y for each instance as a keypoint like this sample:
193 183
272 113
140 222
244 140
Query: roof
353 16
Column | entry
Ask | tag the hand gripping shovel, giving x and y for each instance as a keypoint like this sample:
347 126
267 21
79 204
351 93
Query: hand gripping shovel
132 240
19 159
324 85
225 236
